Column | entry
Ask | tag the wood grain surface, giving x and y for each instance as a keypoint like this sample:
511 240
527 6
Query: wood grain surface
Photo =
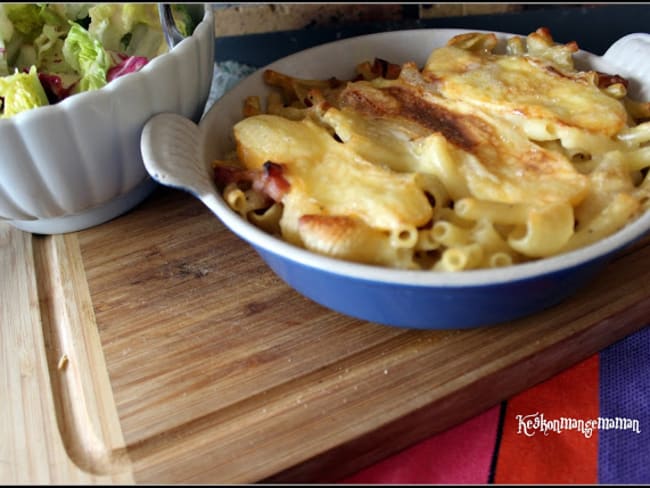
59 424
186 360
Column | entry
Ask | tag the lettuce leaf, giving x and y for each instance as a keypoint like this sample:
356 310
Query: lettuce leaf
130 28
49 51
70 11
183 19
25 18
20 92
87 57
6 26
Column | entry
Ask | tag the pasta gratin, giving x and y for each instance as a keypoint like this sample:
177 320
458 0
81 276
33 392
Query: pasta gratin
480 158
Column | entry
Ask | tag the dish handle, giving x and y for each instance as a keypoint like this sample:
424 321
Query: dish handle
631 54
170 145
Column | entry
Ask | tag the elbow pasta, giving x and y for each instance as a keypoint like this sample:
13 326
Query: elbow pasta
477 159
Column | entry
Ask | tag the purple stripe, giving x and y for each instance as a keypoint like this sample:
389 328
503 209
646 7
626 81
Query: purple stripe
624 455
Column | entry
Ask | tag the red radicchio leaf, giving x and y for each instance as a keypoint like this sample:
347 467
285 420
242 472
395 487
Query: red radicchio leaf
53 87
129 64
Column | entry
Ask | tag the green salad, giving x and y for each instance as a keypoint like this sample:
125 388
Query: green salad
50 51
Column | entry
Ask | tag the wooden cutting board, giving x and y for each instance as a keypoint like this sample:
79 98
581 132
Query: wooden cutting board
159 348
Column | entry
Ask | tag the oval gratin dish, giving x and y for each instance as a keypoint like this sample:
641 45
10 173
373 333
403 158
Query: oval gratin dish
178 153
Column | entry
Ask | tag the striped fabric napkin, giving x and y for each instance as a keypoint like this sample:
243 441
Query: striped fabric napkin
589 424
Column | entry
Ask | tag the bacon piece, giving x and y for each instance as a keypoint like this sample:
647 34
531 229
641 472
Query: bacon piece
269 180
605 80
225 174
386 69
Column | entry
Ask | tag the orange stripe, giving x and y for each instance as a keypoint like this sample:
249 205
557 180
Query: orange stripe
564 457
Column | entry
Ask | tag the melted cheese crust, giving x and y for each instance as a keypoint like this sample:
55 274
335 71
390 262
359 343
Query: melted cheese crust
526 86
492 160
330 175
373 164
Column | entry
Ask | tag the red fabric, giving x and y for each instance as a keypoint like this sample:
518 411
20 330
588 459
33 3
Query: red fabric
465 454
460 455
564 457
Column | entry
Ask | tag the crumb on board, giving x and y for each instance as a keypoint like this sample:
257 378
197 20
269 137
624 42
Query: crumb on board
63 362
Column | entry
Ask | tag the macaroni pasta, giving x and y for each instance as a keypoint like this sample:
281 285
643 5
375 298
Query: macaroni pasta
477 159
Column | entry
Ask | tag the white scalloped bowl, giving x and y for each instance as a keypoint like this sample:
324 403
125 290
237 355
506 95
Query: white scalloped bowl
178 153
77 164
